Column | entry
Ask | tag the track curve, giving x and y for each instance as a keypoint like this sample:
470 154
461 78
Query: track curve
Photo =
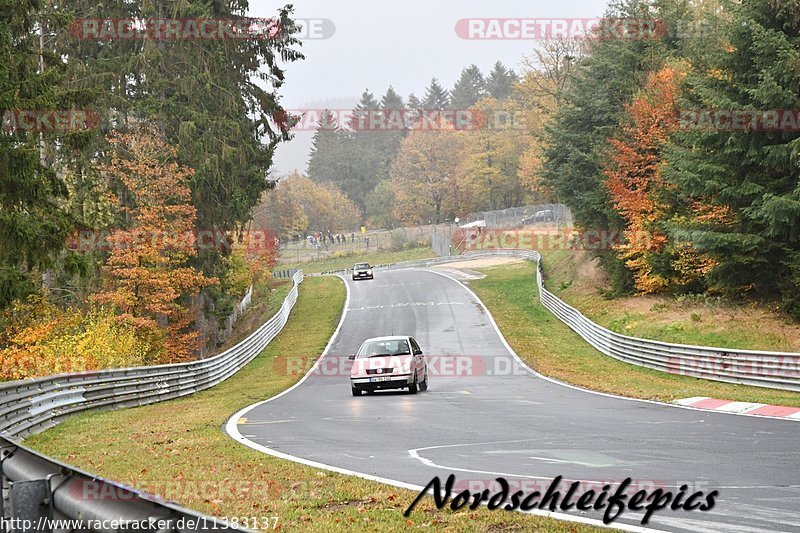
486 415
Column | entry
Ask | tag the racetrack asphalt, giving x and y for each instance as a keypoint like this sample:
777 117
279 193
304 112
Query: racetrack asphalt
485 415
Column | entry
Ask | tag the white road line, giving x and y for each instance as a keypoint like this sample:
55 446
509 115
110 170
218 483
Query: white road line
406 304
415 454
589 391
263 422
233 431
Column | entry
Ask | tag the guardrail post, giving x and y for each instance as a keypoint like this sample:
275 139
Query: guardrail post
31 504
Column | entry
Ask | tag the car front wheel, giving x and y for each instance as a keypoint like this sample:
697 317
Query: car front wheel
356 392
413 387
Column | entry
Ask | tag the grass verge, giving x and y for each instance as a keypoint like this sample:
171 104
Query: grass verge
177 449
686 319
267 300
340 261
550 347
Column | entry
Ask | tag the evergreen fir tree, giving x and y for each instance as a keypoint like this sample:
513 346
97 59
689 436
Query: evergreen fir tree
469 88
414 105
33 221
500 82
324 145
436 97
750 175
391 100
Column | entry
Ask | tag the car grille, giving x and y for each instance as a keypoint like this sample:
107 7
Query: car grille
371 371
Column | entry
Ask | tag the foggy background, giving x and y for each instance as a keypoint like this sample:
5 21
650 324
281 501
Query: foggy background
403 44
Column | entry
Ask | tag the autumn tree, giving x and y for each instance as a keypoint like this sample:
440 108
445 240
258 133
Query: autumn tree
641 195
380 206
147 275
424 176
591 106
537 97
297 204
488 177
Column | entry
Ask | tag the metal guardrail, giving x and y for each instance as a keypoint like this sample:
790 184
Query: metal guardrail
776 370
286 273
36 486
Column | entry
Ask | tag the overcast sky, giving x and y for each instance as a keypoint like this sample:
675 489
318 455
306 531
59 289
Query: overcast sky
378 43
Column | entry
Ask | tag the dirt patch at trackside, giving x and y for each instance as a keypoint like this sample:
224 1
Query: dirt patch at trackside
482 262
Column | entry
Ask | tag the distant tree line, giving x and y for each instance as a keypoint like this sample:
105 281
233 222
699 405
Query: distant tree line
376 168
180 143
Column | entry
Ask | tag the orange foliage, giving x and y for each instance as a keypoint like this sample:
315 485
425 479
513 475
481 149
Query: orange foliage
39 339
146 273
709 213
634 180
298 205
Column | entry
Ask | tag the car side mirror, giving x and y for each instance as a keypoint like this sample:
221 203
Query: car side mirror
351 357
417 352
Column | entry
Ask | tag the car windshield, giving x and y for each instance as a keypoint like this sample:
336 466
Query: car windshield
360 266
384 348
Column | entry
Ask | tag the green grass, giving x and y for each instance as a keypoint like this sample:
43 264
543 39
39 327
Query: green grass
341 261
695 319
553 349
267 298
180 444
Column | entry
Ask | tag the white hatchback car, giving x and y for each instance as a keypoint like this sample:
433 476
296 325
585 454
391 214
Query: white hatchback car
395 362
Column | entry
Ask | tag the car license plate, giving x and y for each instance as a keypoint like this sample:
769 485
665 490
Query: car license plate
382 378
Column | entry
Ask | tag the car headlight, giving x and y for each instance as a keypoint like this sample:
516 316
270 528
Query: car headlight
369 271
